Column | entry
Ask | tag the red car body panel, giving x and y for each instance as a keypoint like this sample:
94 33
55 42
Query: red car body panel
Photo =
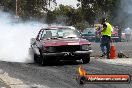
62 42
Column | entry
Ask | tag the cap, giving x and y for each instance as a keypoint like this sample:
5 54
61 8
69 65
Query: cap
104 20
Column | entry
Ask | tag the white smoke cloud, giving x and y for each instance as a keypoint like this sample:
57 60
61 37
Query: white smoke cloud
126 6
125 13
15 38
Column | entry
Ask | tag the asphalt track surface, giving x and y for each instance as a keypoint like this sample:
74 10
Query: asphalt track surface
125 47
63 74
3 85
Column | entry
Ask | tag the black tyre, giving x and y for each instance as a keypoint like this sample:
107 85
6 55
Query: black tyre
86 59
35 58
43 59
33 55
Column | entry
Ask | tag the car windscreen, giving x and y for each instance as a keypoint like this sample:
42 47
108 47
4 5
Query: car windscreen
61 33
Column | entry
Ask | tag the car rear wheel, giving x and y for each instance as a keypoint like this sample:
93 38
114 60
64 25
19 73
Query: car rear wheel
86 59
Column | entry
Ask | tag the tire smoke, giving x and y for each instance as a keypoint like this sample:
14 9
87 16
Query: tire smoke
15 38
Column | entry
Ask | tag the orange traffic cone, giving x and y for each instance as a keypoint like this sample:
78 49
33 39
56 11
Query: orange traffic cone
112 54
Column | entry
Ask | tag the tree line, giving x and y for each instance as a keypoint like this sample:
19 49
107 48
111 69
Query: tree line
87 13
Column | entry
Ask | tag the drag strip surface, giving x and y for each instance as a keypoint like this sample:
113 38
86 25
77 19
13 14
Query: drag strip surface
125 47
63 75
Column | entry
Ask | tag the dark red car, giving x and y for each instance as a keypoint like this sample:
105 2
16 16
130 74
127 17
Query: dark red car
60 43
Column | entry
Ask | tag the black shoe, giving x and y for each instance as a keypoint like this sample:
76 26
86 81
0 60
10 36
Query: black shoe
108 57
102 55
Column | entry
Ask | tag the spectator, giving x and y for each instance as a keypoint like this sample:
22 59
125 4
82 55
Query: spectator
106 38
128 32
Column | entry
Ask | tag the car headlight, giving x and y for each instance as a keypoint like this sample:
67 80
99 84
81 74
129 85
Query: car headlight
86 47
50 49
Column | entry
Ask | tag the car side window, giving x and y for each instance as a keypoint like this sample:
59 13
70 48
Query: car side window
40 35
43 35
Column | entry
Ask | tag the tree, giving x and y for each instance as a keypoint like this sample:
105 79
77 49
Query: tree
65 15
8 4
27 8
93 9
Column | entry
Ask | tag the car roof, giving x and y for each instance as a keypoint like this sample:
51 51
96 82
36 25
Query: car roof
60 27
89 29
92 28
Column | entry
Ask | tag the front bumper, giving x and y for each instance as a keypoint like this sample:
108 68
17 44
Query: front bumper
64 54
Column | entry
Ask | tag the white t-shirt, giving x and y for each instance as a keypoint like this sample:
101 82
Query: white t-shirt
128 31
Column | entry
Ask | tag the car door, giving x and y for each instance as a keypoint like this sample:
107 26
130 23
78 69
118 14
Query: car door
37 45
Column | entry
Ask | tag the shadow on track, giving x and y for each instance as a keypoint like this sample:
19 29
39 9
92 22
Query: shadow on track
59 63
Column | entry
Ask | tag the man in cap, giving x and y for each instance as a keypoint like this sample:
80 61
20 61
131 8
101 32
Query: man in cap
105 37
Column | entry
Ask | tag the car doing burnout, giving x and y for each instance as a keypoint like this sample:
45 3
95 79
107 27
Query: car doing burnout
60 43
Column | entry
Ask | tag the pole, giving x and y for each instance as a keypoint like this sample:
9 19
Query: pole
17 15
16 8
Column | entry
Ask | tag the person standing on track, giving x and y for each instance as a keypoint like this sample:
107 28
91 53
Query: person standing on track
105 38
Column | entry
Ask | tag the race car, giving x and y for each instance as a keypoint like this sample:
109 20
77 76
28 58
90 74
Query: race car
60 43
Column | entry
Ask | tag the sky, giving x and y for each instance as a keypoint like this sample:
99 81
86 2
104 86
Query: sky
67 2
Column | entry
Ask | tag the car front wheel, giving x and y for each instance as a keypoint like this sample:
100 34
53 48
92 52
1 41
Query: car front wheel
43 59
35 58
33 55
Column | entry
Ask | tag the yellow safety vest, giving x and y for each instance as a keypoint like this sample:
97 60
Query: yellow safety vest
108 30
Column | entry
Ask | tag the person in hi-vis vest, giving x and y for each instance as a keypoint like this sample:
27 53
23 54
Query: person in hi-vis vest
105 38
